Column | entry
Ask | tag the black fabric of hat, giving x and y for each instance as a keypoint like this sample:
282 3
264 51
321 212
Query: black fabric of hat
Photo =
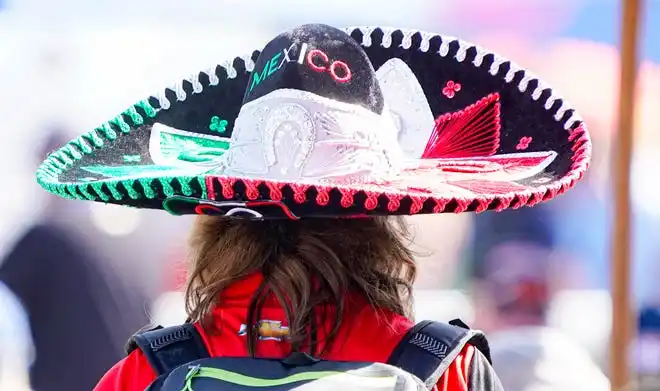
319 59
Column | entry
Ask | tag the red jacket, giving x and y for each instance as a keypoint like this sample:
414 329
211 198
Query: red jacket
367 335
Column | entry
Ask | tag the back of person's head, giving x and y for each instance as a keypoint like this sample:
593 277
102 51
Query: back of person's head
310 266
517 279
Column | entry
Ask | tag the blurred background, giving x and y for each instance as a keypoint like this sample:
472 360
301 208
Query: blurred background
77 279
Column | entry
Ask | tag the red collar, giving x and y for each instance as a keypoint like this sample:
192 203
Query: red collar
241 292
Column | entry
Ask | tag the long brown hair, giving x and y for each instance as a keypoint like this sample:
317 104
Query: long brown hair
306 264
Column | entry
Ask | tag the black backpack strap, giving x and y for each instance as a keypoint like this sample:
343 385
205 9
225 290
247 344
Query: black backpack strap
170 347
477 339
429 348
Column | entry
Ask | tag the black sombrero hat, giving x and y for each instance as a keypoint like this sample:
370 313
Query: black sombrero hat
323 123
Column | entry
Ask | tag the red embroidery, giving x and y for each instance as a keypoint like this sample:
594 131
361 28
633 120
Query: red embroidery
417 204
462 205
471 132
486 194
523 143
346 198
201 209
345 70
451 89
210 188
227 187
251 189
285 209
299 192
317 53
322 196
440 206
519 165
372 200
275 191
336 67
393 204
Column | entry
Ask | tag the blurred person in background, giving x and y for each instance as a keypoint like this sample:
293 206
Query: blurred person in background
16 347
519 271
530 355
77 309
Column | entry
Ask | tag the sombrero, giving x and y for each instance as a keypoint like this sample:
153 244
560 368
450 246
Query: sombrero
330 123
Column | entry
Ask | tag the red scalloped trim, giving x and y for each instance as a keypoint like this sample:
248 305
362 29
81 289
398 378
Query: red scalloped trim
299 192
580 159
251 189
393 204
346 198
275 190
482 206
227 187
417 204
322 196
210 187
462 205
371 202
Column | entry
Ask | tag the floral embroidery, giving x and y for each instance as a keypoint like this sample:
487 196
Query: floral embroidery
218 125
523 143
451 89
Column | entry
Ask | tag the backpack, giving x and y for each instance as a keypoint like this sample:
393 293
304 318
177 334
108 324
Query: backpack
181 361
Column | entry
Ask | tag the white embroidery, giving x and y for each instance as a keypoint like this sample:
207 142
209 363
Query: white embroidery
408 104
293 135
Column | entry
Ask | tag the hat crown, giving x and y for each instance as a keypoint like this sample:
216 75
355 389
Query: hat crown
313 109
319 59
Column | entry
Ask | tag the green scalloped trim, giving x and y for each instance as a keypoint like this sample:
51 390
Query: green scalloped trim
61 160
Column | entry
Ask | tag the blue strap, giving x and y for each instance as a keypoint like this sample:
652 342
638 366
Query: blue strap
429 348
171 347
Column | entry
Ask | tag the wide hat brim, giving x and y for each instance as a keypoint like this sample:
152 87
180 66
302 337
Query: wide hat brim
479 132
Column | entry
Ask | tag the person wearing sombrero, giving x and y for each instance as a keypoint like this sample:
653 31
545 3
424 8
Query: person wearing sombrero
300 157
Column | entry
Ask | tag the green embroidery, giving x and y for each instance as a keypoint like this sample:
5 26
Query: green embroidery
171 201
83 190
116 194
185 185
218 125
133 171
98 189
107 131
191 148
96 140
148 110
128 185
117 182
135 117
132 158
167 187
271 67
119 121
146 187
167 205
